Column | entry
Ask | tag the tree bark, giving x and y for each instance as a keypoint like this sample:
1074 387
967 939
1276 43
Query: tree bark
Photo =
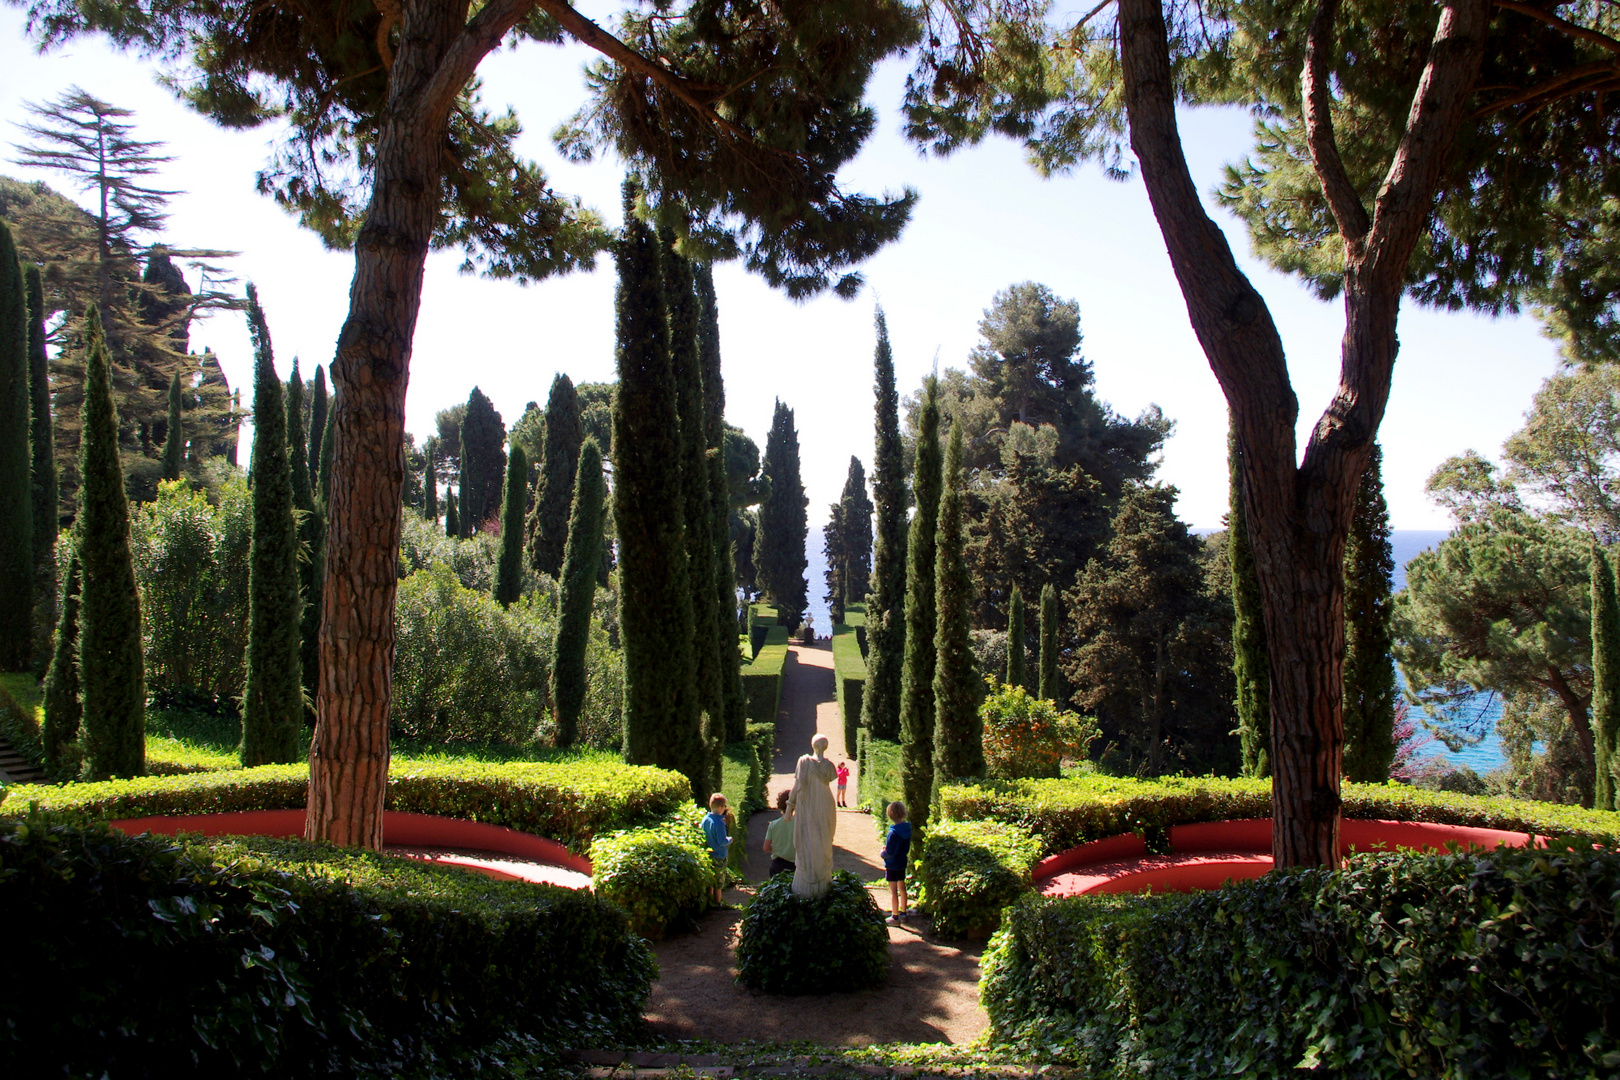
1298 511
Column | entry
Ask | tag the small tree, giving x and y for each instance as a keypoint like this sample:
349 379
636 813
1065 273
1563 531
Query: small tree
1027 736
886 603
917 678
1369 668
16 468
1250 664
958 731
580 557
1015 638
63 713
554 490
1048 689
452 520
1605 678
174 440
509 569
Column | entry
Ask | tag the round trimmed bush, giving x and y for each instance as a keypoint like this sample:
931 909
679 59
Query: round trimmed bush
791 945
661 876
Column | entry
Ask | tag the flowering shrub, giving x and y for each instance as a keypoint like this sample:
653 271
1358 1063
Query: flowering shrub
1025 736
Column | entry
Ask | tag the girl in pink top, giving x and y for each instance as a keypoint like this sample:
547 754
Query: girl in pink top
843 781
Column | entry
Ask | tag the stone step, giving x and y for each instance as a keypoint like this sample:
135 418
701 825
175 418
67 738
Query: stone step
16 769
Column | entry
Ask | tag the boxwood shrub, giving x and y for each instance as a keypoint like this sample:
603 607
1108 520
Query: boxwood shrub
970 870
1068 812
660 875
762 679
141 956
849 678
1498 964
568 801
791 945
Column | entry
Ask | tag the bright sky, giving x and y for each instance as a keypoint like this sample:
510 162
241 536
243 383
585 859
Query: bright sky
984 221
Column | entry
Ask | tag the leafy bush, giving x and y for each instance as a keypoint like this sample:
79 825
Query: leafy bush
601 724
19 717
849 677
970 870
661 875
879 778
423 546
791 945
1479 964
1065 813
569 801
148 957
1025 736
762 679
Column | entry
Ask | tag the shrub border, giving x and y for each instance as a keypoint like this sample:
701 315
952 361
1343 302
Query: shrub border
849 679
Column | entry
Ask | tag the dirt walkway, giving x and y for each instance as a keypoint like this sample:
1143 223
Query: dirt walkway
933 990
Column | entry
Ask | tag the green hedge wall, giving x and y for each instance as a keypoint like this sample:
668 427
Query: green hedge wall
849 678
879 777
147 957
1064 813
1499 964
970 870
568 801
19 725
746 770
762 679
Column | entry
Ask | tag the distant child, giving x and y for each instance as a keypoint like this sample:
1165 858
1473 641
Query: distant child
843 781
717 824
779 836
895 850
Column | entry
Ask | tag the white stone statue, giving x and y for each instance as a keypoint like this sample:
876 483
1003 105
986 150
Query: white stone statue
814 820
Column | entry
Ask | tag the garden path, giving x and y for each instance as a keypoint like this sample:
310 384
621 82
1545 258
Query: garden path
933 990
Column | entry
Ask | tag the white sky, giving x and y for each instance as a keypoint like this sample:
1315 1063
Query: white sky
984 221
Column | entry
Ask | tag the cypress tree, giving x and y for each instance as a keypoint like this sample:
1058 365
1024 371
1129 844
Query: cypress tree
661 720
509 569
699 513
1048 690
885 604
554 490
1369 666
483 463
1015 638
452 521
779 553
317 427
112 680
581 554
47 517
174 441
958 730
917 678
855 521
1605 677
1250 661
16 468
837 559
311 545
725 581
272 701
326 467
430 501
62 710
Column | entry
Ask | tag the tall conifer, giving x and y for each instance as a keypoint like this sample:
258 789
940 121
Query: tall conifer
917 679
661 719
16 468
452 520
317 427
779 545
1605 678
1048 689
886 602
112 680
581 554
554 490
325 480
430 499
272 700
483 463
63 714
958 730
174 440
46 515
311 545
1250 661
855 513
1015 638
1369 666
509 568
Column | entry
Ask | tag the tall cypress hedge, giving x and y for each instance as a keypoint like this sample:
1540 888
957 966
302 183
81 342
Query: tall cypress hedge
886 602
1048 689
174 440
1250 660
1605 677
47 516
311 544
112 678
16 468
554 490
917 678
1369 665
63 713
1015 638
779 545
581 554
509 568
958 730
430 482
661 722
317 426
272 699
452 519
725 580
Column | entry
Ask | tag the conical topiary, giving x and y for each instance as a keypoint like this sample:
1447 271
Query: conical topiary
509 567
580 557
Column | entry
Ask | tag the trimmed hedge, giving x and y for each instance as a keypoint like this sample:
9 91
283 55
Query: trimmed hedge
1498 964
568 801
660 875
879 778
849 679
145 956
761 618
1066 813
746 771
19 720
970 870
762 679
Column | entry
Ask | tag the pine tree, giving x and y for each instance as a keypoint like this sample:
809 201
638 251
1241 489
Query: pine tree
661 719
63 714
779 546
958 730
483 463
1048 689
689 403
581 554
317 426
1369 666
554 491
917 678
46 514
1605 677
509 569
725 581
272 700
112 680
311 545
16 468
1015 638
174 439
885 604
452 520
430 500
1250 659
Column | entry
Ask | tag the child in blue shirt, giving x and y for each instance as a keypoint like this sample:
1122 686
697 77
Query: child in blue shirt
717 831
895 849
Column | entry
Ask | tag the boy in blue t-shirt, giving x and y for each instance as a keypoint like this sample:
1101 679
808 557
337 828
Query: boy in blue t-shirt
717 831
895 849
